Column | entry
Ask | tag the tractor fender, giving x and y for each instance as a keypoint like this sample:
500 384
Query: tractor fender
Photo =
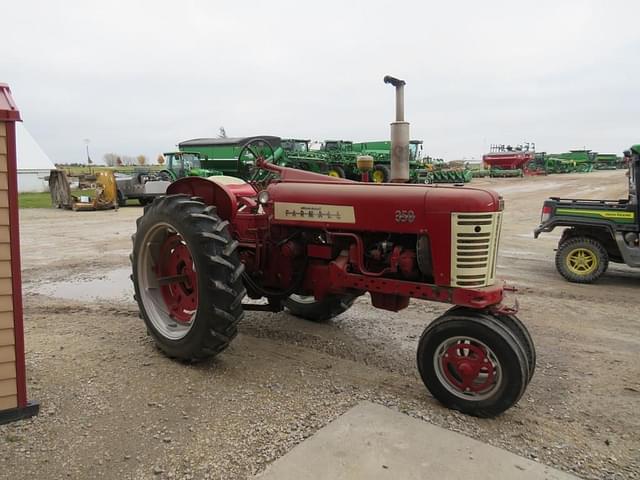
219 191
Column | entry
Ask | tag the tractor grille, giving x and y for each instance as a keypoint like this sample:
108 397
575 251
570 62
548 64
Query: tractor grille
474 240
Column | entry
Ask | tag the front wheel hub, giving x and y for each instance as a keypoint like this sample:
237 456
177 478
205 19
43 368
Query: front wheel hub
467 368
582 261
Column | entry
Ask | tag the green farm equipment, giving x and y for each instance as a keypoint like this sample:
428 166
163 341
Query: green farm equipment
436 170
185 164
338 158
607 161
580 161
506 173
222 155
480 172
329 160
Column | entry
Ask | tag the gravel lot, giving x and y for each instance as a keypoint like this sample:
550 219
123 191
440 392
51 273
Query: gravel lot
114 407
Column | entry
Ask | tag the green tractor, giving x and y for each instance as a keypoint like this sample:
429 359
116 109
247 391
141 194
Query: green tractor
184 164
599 231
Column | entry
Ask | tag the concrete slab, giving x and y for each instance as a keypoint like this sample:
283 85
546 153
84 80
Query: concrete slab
373 442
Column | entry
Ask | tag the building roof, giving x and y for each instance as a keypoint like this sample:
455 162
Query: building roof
8 108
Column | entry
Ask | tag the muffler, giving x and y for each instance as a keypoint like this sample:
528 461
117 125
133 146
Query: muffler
399 135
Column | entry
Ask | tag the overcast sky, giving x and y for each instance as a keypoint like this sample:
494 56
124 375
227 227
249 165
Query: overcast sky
139 76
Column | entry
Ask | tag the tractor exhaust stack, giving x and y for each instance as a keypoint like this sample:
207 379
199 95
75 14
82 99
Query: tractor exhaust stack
399 135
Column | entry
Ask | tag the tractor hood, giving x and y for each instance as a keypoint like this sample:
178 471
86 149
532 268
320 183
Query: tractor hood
399 208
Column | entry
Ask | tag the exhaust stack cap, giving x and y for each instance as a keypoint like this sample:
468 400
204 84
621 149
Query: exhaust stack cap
396 82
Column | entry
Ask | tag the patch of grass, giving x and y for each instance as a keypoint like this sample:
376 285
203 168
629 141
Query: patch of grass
34 200
43 199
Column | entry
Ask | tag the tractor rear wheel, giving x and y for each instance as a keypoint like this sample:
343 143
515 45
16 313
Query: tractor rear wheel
380 174
581 259
473 363
309 308
187 277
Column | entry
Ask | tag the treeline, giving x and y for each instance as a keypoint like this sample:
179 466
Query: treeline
115 160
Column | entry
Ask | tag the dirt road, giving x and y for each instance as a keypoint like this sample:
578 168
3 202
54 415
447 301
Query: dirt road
114 407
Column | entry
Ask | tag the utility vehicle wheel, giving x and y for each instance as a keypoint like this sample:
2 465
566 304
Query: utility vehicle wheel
581 259
380 174
145 201
122 200
187 277
471 362
336 171
319 311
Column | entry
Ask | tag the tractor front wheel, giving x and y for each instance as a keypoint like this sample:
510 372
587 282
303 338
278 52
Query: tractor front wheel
473 363
187 277
581 259
309 308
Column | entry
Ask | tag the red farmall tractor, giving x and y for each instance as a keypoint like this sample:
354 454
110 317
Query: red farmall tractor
312 244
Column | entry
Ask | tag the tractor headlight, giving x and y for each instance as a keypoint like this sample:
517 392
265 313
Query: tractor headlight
263 197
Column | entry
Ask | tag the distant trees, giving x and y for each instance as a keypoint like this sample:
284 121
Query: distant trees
110 159
113 160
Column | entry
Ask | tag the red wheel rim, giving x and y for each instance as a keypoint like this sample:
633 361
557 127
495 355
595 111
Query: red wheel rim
178 279
467 367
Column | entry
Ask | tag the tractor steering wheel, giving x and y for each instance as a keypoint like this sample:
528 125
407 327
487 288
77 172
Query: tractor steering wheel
247 169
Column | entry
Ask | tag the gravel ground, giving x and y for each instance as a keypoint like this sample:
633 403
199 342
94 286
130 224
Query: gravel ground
114 407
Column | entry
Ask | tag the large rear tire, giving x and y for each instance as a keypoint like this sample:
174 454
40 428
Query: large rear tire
336 171
380 174
319 310
581 259
187 277
473 363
